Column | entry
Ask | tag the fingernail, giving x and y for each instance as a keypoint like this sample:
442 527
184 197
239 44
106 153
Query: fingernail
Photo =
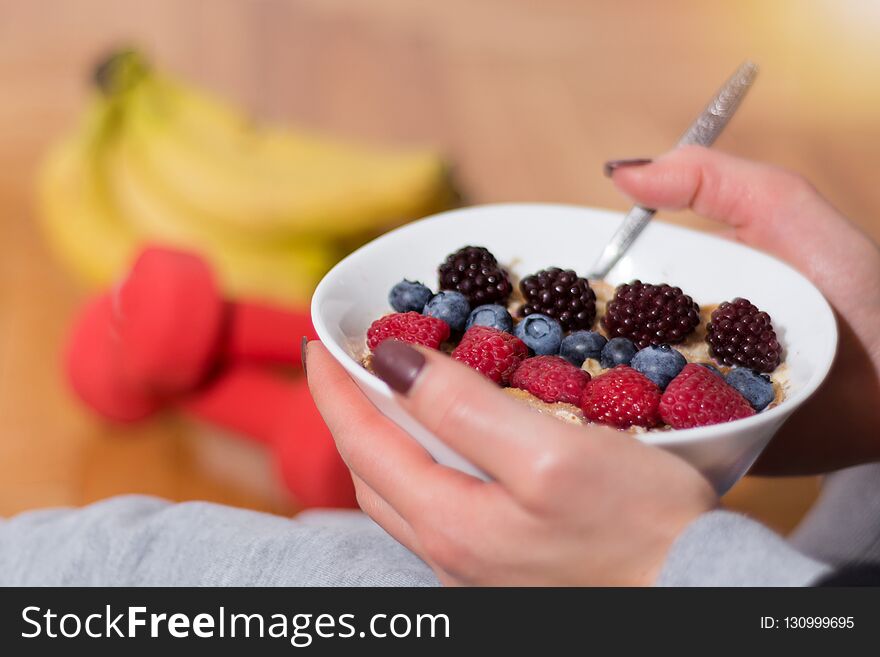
397 364
613 165
303 348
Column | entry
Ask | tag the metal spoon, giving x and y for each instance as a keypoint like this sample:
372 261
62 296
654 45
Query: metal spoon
704 131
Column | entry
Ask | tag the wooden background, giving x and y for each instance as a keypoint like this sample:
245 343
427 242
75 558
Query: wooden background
527 99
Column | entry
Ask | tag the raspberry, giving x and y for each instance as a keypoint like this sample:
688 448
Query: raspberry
491 352
474 271
550 379
740 334
651 314
560 294
698 397
622 398
411 327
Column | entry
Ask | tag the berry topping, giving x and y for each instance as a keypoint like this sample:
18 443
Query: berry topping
740 334
561 294
697 398
491 314
452 307
651 314
629 375
409 327
660 363
617 351
491 352
541 333
550 379
756 388
580 345
622 398
409 296
475 272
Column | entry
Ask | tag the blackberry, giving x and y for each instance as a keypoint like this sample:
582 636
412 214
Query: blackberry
740 334
474 271
651 314
560 294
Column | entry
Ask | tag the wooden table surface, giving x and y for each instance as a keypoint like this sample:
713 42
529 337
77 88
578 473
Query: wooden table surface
527 99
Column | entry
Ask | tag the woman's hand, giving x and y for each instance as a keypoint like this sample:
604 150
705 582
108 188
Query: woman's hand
569 505
779 212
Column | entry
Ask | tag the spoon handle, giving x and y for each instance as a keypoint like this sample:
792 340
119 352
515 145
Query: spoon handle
703 131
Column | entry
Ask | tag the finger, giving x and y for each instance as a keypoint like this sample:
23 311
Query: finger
499 434
375 506
713 184
762 202
377 450
399 529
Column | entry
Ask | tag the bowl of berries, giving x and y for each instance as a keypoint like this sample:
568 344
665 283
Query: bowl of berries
693 343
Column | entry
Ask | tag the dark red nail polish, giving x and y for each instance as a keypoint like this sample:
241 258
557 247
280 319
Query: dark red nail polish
397 364
612 165
303 347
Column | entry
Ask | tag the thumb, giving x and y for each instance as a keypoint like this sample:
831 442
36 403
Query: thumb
716 185
766 206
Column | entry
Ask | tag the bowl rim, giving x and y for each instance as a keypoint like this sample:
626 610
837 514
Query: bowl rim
660 438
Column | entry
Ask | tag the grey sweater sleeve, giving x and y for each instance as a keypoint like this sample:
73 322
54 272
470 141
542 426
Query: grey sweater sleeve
727 549
721 548
144 541
137 541
843 527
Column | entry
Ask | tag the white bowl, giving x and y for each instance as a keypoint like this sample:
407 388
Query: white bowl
529 237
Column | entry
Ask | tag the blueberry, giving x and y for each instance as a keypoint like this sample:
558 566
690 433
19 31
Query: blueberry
712 368
491 314
756 388
660 363
618 351
450 306
409 296
542 334
578 346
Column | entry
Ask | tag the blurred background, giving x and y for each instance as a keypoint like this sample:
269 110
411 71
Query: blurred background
523 100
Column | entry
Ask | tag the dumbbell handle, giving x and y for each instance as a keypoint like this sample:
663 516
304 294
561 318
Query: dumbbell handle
245 399
280 413
260 333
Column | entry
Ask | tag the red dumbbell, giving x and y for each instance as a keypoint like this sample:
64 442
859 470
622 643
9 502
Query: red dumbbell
94 370
175 327
280 413
275 410
166 335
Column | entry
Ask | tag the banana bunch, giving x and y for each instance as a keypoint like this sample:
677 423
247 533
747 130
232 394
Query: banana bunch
154 160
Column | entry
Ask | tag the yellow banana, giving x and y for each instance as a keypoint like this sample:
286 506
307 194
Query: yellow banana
81 226
157 212
271 208
85 214
286 271
268 181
